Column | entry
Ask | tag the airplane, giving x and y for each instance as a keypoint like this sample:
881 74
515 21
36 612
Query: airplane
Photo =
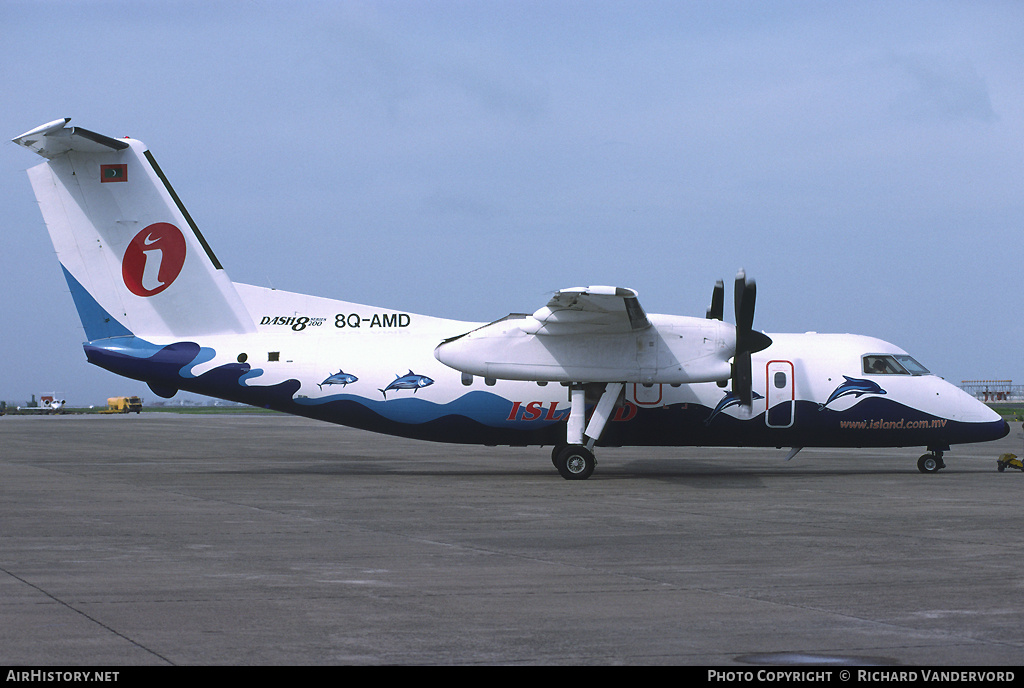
589 369
47 405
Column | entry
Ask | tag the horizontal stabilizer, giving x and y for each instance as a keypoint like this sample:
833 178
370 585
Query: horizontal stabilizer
53 139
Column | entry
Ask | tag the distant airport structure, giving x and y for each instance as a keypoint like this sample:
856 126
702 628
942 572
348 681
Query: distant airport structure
993 390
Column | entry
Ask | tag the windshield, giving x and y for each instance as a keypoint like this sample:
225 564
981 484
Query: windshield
910 364
893 364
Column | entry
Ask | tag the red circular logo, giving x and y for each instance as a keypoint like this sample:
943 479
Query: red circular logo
153 259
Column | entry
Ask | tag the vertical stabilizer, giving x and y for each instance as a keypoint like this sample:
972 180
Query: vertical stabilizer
134 260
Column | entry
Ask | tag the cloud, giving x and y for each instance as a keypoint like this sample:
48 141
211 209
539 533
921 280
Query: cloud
935 87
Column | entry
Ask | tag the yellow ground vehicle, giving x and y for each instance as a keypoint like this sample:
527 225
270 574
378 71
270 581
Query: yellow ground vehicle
1010 460
124 405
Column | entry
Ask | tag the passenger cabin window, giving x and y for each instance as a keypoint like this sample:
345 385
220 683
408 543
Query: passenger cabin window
893 364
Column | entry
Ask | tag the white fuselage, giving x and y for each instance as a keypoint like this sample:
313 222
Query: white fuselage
302 341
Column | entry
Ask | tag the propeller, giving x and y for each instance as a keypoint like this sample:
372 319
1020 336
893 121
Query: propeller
748 340
717 309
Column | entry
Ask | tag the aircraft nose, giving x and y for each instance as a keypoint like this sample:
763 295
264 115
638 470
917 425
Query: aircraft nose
974 410
1005 432
995 425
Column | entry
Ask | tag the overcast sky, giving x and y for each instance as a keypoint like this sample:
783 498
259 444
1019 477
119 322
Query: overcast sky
864 161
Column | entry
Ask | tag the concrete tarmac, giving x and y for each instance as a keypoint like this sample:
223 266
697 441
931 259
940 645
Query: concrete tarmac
166 539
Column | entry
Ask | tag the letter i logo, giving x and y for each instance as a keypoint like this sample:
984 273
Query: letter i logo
153 259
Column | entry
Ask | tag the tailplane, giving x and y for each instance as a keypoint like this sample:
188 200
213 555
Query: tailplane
133 258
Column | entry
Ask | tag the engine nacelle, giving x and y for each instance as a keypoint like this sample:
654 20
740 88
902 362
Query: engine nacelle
673 350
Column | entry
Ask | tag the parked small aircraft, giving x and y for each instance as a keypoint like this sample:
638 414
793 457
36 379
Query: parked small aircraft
590 368
46 405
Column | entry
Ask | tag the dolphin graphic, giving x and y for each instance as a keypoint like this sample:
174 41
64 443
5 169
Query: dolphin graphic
408 381
730 399
339 378
854 386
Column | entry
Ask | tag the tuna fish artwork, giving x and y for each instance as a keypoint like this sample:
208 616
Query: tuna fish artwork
408 381
339 378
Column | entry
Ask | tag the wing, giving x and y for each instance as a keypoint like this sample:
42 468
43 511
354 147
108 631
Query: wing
602 334
588 310
591 334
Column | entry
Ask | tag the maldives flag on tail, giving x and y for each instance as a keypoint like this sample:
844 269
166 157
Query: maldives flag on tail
114 173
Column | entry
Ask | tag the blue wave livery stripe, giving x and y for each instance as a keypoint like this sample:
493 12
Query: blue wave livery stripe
480 417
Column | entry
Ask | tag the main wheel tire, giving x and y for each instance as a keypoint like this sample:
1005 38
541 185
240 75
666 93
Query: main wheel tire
555 451
929 463
575 462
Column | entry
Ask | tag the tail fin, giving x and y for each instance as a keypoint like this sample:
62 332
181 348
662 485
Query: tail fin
135 261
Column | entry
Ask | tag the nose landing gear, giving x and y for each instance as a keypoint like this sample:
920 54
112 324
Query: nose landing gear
931 463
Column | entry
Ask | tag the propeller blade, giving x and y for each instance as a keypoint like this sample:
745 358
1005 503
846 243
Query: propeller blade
742 379
717 309
745 296
748 341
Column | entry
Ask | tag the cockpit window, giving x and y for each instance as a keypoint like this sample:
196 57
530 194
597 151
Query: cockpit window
893 364
910 364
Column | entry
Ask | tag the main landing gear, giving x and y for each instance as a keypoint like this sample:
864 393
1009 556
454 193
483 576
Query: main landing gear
931 463
575 459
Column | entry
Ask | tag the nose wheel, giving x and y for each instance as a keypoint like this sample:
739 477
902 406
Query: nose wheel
930 463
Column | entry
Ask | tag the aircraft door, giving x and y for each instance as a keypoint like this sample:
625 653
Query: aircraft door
781 395
647 395
647 345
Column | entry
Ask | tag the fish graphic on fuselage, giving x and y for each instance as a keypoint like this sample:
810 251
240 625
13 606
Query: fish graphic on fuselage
729 400
408 381
854 386
339 378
